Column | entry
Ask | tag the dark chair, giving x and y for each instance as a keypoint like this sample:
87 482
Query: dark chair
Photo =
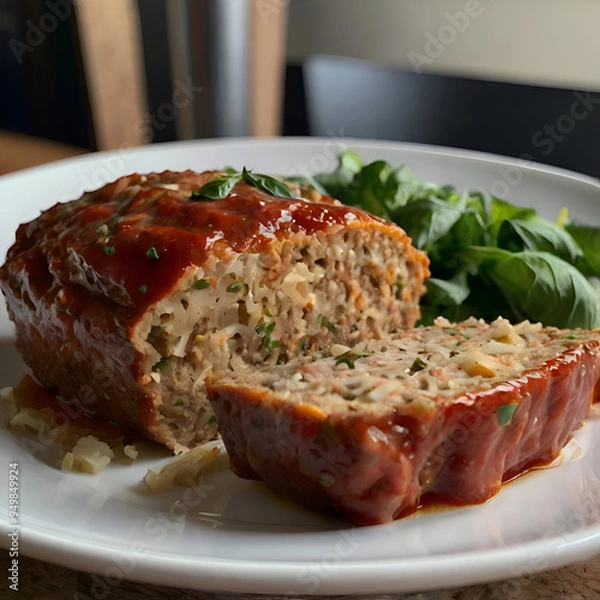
355 98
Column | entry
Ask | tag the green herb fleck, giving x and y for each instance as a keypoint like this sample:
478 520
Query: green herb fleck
398 291
452 331
505 413
569 336
327 435
161 364
418 365
212 420
266 311
348 359
325 322
453 353
109 250
265 330
179 402
143 289
345 360
302 346
202 284
152 253
236 286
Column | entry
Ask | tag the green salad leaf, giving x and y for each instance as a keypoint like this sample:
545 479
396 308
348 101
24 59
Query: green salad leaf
428 220
448 292
500 211
588 239
489 258
339 183
538 234
542 287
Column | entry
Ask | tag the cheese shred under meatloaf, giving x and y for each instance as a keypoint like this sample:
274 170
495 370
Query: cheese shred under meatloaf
126 299
444 413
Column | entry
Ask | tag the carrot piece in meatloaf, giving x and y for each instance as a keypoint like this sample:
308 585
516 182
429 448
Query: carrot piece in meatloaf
126 299
443 413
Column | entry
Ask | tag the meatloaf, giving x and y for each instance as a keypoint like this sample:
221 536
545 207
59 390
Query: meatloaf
439 414
127 298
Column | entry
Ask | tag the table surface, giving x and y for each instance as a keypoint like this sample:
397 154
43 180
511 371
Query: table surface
18 151
44 581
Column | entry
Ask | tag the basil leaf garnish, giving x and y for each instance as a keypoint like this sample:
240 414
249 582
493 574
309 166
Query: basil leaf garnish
220 188
217 189
267 184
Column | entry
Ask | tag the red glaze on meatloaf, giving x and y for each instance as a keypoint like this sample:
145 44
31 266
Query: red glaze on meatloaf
125 299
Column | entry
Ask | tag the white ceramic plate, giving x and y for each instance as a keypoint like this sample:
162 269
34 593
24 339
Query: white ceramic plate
232 535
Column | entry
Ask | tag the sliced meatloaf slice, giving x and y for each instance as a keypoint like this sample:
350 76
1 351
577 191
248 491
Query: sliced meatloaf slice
443 413
126 299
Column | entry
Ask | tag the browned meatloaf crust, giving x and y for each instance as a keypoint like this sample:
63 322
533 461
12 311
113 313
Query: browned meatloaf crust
443 413
125 299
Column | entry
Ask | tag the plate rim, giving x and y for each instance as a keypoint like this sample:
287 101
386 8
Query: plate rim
413 147
359 577
490 564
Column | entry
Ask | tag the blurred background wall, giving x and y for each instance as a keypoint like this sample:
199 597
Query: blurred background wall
515 77
541 42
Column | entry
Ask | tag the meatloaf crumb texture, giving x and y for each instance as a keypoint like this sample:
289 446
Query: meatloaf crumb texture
444 413
126 299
